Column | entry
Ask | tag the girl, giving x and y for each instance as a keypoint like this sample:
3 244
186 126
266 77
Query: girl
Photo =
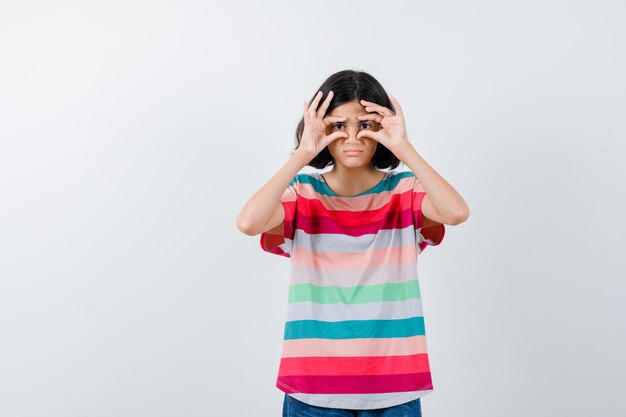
354 341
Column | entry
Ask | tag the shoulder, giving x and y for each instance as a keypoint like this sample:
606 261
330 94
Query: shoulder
307 181
306 178
402 174
402 178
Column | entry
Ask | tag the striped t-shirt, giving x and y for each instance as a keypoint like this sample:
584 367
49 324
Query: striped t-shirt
354 334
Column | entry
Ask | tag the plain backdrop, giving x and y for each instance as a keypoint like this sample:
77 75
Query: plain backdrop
132 134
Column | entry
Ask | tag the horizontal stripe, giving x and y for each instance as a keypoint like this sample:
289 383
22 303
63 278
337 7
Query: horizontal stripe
348 260
319 185
354 329
325 224
368 275
366 384
354 365
379 310
356 204
359 401
354 347
391 201
333 242
354 295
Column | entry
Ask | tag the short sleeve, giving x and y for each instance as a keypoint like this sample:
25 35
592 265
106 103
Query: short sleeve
427 232
279 240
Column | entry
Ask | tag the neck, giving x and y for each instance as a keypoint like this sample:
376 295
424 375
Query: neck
350 181
347 174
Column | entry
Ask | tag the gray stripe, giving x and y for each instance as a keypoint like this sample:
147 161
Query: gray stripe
380 310
360 401
331 242
287 245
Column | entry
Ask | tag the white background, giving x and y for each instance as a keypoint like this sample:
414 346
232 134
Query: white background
132 133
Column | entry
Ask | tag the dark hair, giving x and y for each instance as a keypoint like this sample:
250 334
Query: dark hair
347 86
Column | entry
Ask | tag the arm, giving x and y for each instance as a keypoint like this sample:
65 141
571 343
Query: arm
263 210
442 203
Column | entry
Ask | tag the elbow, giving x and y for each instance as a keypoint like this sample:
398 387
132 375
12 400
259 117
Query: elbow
460 216
244 227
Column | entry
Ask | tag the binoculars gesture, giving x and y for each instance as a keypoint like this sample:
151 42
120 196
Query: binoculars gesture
314 138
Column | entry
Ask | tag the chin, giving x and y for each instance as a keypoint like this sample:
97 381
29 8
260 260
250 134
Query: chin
354 164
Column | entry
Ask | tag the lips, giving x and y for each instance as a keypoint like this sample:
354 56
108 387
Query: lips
349 152
353 150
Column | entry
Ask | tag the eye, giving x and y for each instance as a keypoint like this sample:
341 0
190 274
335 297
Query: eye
340 125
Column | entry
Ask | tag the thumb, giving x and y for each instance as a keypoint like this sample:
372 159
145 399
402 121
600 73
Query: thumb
367 134
336 135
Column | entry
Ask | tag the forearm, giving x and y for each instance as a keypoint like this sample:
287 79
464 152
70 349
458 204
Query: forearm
446 200
259 209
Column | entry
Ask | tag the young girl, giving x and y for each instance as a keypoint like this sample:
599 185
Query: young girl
354 340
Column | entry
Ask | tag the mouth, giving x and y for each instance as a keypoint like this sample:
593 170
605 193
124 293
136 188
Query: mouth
352 151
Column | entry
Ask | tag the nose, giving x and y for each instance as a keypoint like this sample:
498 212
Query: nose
352 132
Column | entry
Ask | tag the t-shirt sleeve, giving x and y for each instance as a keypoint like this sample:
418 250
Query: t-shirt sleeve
427 232
279 240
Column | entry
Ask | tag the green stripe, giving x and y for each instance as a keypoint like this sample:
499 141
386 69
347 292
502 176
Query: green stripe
388 184
354 295
352 329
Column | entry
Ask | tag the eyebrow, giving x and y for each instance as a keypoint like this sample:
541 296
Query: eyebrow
357 119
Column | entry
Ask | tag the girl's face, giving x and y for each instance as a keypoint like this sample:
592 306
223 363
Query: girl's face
364 147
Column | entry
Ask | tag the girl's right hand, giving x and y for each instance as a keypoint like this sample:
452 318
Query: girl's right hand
314 138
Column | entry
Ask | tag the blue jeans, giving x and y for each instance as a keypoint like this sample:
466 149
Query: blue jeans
296 408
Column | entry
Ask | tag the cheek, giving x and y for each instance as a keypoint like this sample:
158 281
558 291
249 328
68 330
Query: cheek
332 148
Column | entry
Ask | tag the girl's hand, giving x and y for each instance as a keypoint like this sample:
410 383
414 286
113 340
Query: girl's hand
392 134
314 138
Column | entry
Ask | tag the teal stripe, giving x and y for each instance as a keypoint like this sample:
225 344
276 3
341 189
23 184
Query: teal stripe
353 329
388 184
397 291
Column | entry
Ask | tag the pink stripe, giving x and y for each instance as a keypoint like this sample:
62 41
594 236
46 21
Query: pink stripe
366 384
354 365
354 347
355 260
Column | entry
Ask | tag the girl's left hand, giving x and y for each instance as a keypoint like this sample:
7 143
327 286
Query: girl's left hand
392 134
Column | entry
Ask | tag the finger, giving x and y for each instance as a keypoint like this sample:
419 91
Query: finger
369 106
322 111
337 135
396 105
367 102
334 136
306 112
368 134
314 103
381 110
332 119
372 116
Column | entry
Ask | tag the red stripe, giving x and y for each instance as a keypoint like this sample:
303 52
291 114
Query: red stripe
365 384
354 365
322 224
316 208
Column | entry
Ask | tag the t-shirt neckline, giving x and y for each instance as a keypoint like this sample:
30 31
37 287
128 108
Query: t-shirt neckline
334 194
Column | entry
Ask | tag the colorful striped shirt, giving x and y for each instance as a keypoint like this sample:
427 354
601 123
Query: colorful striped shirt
354 334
